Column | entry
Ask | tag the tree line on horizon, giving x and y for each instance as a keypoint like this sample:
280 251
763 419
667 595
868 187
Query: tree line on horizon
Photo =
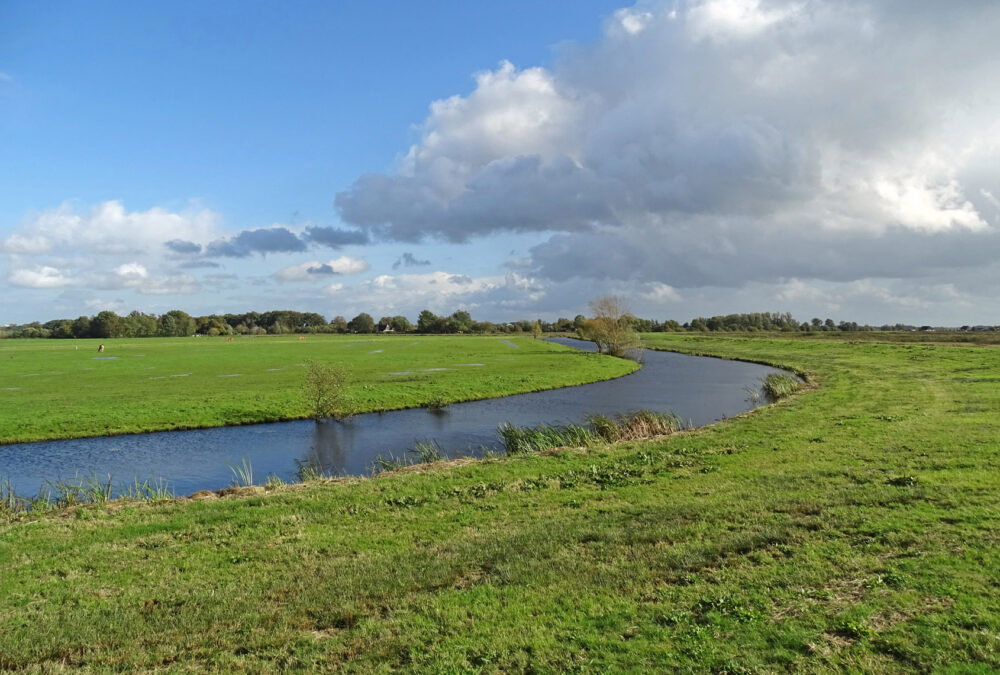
177 323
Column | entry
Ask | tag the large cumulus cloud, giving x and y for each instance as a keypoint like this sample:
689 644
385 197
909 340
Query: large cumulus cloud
724 142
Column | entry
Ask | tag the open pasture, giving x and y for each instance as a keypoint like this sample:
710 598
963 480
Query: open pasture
851 528
65 388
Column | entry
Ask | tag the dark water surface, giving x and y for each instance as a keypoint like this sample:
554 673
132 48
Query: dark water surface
701 390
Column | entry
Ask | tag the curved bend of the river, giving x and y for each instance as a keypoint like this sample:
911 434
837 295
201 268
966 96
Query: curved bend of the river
700 390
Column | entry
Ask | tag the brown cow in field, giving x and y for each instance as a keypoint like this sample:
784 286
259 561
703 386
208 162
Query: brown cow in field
302 337
229 339
100 348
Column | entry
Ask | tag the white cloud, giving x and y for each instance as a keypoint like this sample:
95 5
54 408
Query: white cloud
132 273
659 293
721 143
724 19
315 269
41 277
632 21
108 229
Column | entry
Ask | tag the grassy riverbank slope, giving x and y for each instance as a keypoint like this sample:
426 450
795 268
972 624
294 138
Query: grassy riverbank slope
852 527
66 389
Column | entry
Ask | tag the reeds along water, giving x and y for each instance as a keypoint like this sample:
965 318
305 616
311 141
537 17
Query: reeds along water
67 492
777 386
600 428
515 439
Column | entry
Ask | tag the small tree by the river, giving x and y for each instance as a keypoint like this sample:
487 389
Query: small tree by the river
325 387
611 328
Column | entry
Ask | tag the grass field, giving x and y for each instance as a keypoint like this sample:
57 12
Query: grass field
66 389
854 527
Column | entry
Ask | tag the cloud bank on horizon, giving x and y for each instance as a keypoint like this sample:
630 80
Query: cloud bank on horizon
702 156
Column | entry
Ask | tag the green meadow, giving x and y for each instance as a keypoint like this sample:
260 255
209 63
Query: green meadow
853 527
65 388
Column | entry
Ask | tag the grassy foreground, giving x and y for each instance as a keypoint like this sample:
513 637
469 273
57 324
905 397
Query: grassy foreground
855 527
66 389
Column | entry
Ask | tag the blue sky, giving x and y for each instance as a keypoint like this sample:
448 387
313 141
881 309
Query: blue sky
514 159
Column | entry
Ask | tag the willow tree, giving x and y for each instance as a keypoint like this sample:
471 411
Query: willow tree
611 328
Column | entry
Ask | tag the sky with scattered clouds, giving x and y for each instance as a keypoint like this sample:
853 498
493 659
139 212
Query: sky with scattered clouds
832 158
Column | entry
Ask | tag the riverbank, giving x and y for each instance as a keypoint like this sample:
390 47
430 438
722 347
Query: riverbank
59 389
851 527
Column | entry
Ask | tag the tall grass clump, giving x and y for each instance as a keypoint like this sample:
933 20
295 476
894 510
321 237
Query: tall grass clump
75 491
427 451
635 426
308 470
147 491
242 473
520 440
777 386
388 463
10 502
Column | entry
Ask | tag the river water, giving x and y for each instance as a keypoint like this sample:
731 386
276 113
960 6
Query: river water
700 390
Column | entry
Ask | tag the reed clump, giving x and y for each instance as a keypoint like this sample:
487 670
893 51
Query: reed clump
600 428
777 386
69 492
635 426
427 451
521 440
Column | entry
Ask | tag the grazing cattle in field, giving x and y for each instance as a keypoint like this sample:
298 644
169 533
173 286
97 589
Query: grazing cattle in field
229 339
100 348
302 337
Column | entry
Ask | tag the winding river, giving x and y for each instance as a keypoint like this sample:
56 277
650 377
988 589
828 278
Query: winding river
701 390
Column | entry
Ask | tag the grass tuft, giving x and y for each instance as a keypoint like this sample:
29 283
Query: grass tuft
427 451
777 386
521 440
388 463
242 473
